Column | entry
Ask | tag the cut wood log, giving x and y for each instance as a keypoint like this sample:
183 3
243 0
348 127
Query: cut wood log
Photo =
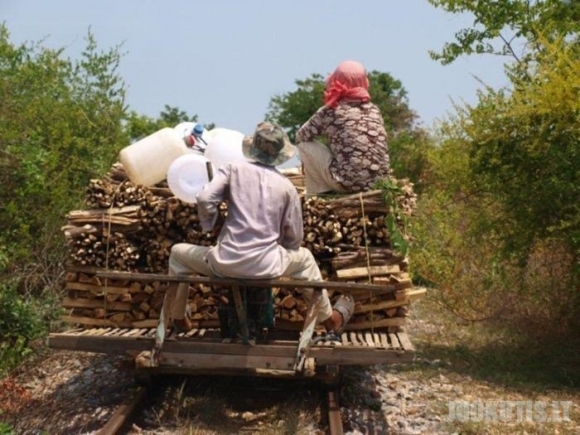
361 272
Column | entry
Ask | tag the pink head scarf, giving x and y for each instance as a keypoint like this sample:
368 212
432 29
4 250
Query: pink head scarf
349 80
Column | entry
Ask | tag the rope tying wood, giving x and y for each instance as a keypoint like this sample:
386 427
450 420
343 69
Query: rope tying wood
364 222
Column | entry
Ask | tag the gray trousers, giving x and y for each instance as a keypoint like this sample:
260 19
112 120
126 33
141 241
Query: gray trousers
186 259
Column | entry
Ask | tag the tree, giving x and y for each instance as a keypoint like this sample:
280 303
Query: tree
407 142
498 26
139 126
502 202
526 150
61 125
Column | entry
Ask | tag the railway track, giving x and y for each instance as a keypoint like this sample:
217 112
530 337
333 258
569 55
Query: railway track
127 413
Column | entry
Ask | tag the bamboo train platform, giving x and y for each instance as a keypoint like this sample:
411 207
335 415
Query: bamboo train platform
204 350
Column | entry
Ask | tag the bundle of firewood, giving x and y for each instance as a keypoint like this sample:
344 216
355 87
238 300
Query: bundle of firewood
132 228
92 301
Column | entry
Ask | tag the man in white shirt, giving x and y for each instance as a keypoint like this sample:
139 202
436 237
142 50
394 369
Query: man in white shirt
263 230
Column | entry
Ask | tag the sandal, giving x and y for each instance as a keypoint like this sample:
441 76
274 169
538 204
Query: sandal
345 306
182 325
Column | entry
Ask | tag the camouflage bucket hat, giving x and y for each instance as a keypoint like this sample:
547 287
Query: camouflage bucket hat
269 145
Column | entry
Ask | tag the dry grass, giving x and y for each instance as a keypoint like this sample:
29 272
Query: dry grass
228 405
485 361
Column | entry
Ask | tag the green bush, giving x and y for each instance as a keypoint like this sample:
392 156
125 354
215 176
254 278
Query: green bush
5 429
21 321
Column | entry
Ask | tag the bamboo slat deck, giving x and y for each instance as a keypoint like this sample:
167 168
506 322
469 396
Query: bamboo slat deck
205 347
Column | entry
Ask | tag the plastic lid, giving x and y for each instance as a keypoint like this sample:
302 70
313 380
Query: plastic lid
198 129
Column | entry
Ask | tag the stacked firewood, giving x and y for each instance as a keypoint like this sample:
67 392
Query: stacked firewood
93 301
132 228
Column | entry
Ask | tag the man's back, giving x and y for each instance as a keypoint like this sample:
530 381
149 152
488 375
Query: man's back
264 216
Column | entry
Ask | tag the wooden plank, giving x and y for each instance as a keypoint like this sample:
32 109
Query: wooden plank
353 338
259 355
98 344
129 333
79 214
89 321
80 286
362 272
398 283
394 321
369 339
113 331
149 323
191 332
384 305
95 303
211 281
394 341
416 294
141 332
365 294
200 361
384 340
96 331
400 277
405 342
103 331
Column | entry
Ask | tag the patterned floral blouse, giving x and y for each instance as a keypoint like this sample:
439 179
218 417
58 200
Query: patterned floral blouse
358 140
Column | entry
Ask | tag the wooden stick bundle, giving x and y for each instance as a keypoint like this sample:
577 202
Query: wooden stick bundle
133 228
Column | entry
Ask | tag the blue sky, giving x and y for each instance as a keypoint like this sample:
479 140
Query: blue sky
224 59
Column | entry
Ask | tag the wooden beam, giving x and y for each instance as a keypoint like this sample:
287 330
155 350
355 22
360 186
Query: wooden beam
394 321
96 288
358 309
149 277
362 272
95 303
217 361
405 342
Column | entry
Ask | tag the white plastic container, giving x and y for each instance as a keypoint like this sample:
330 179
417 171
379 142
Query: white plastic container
224 146
187 175
147 161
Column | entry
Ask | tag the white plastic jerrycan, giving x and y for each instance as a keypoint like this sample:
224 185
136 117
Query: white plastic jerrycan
224 146
187 175
147 160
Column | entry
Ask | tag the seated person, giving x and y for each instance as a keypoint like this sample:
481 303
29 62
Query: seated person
263 230
357 154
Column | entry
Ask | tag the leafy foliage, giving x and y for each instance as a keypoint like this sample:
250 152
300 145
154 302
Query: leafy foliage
498 226
293 109
499 25
139 126
407 142
61 125
526 149
63 122
19 324
396 222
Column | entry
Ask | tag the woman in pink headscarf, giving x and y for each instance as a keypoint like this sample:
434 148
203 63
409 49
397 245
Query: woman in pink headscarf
357 153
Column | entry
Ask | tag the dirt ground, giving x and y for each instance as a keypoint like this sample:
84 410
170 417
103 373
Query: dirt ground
63 392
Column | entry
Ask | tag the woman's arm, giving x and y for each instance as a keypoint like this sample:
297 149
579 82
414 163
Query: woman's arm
315 126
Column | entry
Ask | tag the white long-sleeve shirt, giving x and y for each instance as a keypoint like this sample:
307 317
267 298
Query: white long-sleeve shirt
264 219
